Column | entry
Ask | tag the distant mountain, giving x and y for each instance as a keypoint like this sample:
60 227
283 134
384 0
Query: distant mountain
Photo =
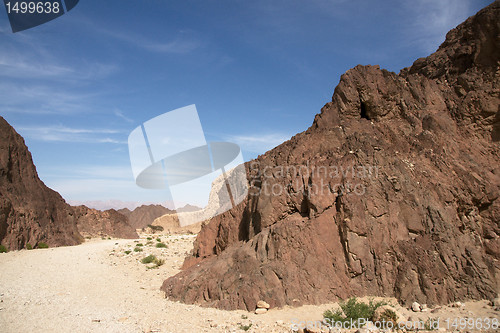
95 223
30 212
393 191
142 216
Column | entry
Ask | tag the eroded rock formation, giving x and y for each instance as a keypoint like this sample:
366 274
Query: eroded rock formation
393 191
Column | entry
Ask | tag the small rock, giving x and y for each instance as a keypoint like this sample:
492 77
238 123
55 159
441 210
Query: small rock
260 310
280 322
457 305
436 309
263 305
424 307
416 307
494 302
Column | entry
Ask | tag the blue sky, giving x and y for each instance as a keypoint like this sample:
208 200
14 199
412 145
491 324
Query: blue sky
258 71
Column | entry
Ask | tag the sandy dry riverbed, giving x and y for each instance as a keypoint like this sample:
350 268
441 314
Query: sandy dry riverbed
97 287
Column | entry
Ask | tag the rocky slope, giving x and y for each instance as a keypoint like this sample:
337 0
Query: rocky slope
30 212
95 223
393 191
142 216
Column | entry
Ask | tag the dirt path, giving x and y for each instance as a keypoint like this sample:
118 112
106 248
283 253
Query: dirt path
97 287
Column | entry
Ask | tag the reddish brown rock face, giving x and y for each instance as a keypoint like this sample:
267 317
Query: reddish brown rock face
30 212
92 222
393 191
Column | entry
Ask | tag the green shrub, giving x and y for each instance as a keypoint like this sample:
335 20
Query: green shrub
245 327
28 246
158 239
149 238
138 249
42 245
161 245
352 310
127 252
149 259
139 244
3 249
389 316
155 227
152 259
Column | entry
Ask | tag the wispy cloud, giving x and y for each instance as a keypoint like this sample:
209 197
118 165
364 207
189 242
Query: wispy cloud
120 114
183 43
259 143
434 19
43 99
68 134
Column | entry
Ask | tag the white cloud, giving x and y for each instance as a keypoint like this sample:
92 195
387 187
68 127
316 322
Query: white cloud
120 114
259 143
68 134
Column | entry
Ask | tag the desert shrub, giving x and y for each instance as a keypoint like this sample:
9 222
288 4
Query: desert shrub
353 310
155 227
139 244
161 245
389 316
149 259
128 252
158 239
245 327
42 245
28 246
138 249
149 238
3 249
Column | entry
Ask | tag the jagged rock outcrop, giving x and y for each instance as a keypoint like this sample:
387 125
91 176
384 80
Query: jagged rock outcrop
30 212
142 216
95 223
393 191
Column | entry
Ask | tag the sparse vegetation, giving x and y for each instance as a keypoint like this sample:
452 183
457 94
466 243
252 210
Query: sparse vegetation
389 316
152 259
149 259
138 249
244 316
158 239
128 252
3 249
155 227
139 244
429 325
149 238
245 327
28 246
42 245
352 310
161 245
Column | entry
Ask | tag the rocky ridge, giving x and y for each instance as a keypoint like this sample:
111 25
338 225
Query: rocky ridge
393 191
31 213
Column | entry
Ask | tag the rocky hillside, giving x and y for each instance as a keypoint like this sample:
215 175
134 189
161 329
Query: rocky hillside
393 191
96 223
30 212
142 216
